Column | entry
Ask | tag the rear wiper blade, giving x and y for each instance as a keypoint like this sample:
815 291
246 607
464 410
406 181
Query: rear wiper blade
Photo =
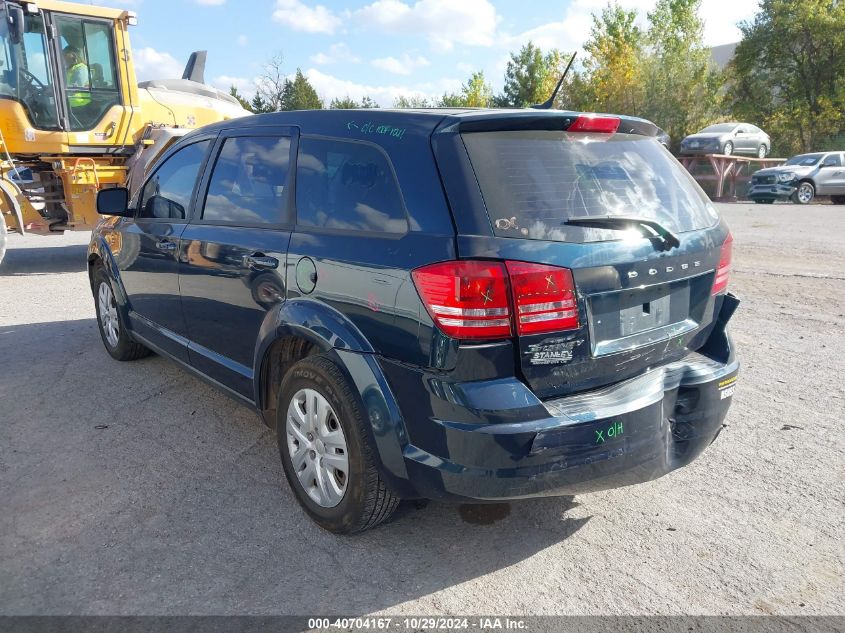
651 229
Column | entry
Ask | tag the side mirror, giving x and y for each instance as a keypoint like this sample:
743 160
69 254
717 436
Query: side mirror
16 22
114 201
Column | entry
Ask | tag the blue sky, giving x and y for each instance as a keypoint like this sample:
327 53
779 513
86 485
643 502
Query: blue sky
378 47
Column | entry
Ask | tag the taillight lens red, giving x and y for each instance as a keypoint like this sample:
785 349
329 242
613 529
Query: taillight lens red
467 299
595 123
475 299
544 298
723 272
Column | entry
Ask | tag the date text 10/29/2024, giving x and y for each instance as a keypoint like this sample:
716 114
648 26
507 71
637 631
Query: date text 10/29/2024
418 623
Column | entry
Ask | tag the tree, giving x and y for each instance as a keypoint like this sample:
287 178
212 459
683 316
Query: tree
348 103
414 101
475 93
237 95
681 85
299 94
788 73
271 85
259 106
530 76
613 72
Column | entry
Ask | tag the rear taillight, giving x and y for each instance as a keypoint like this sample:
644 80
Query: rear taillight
475 299
543 297
595 123
723 272
467 299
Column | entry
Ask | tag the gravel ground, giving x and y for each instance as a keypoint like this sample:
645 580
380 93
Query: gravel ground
132 488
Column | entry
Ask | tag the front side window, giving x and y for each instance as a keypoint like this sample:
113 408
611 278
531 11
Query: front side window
249 181
167 194
25 73
832 160
88 62
347 185
534 181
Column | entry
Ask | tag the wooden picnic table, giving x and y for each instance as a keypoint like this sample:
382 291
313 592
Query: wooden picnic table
726 170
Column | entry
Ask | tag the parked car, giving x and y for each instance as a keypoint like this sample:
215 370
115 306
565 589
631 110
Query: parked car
466 304
728 139
801 179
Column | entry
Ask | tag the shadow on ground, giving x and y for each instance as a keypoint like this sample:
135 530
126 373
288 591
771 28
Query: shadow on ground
133 488
44 260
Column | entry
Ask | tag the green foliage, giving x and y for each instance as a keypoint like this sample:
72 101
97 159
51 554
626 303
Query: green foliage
475 93
246 105
259 106
788 74
348 103
299 94
415 101
530 77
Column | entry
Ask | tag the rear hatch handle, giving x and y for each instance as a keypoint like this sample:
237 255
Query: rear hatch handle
656 232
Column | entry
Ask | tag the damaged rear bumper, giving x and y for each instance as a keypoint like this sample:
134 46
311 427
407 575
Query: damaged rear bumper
627 433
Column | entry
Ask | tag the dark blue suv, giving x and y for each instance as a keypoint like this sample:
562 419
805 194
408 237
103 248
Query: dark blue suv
468 305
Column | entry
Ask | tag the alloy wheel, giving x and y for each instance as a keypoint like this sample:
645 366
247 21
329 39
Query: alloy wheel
109 321
805 193
317 448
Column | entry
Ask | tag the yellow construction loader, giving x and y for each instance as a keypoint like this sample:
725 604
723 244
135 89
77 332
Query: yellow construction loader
73 119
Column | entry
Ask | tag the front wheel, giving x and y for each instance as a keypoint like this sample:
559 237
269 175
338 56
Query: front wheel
113 331
327 456
728 149
805 193
762 152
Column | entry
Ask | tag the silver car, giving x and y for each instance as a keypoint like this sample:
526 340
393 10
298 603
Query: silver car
728 138
801 179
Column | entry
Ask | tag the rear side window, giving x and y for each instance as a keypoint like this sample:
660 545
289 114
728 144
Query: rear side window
249 181
168 192
534 181
347 185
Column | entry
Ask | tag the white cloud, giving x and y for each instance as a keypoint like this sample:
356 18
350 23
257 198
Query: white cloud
243 40
720 25
244 85
404 66
300 17
337 53
330 87
210 3
153 64
443 22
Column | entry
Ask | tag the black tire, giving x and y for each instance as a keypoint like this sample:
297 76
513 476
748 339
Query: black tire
728 149
838 199
3 236
367 501
805 193
762 151
124 348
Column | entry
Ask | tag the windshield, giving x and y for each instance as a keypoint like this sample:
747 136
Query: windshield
25 74
804 160
721 128
534 181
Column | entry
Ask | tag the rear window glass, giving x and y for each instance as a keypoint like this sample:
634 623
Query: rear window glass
347 185
248 182
534 181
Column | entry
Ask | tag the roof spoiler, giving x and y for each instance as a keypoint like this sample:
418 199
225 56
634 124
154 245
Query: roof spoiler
195 68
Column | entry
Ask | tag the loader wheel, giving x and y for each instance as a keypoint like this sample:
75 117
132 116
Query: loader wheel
3 236
113 330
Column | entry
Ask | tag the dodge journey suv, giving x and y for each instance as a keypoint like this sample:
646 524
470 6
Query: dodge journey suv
467 305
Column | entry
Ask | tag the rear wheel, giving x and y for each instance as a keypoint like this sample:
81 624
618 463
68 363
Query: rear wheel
805 193
762 151
113 331
728 149
3 236
326 452
838 199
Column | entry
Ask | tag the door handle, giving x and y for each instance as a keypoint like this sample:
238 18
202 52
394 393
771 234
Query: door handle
165 245
257 261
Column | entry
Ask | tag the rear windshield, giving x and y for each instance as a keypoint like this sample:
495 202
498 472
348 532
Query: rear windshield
534 181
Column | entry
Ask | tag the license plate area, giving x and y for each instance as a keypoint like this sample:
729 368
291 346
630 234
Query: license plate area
632 318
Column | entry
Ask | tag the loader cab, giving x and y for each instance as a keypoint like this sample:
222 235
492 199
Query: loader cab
60 67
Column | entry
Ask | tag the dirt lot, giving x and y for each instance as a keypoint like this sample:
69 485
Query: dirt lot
135 489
